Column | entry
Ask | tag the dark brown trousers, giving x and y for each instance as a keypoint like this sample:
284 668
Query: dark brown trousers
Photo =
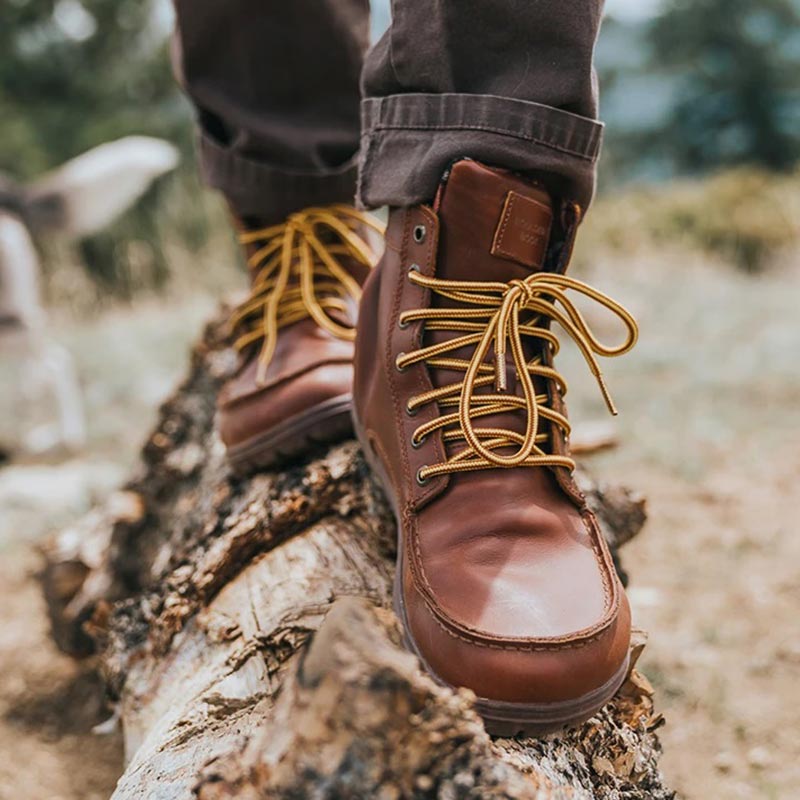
277 85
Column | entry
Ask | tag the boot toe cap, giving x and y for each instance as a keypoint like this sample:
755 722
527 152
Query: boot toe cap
525 669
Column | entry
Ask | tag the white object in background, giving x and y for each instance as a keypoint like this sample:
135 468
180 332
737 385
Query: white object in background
23 323
79 198
97 186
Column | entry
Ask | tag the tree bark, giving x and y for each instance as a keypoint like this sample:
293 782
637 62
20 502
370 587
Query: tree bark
242 626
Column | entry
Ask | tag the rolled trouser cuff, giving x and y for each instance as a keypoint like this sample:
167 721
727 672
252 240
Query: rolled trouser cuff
270 193
409 140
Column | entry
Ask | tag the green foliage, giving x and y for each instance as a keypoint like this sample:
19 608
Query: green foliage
75 74
738 97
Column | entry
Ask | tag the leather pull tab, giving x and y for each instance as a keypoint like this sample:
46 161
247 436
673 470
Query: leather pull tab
523 232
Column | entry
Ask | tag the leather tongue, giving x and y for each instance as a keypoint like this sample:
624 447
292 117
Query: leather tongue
494 226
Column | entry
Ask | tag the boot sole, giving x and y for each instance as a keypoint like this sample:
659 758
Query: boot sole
321 424
500 718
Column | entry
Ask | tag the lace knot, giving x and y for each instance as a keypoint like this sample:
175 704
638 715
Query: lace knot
493 318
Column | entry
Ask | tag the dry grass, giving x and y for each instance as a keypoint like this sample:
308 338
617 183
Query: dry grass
744 217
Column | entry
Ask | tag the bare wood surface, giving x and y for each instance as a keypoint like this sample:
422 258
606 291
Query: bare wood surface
203 597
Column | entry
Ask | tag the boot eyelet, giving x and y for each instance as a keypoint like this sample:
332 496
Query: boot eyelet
402 324
413 268
397 365
417 443
420 480
412 412
419 233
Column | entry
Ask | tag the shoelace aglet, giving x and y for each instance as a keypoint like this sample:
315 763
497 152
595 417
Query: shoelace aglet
500 379
264 359
606 394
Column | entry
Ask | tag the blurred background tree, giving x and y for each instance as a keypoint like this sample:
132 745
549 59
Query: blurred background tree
76 73
718 80
737 64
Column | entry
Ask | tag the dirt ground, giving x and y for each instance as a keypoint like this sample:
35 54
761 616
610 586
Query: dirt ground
710 413
48 705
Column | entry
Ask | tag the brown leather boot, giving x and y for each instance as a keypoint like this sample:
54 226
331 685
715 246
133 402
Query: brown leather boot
504 583
295 332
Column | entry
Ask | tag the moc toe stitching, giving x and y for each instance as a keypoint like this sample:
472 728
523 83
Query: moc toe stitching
482 638
523 644
284 377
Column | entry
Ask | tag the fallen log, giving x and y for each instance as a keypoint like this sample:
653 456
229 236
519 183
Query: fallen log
243 630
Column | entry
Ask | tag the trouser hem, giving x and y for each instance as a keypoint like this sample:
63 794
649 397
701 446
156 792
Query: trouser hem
268 192
409 140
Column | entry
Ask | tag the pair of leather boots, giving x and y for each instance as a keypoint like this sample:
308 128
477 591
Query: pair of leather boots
504 583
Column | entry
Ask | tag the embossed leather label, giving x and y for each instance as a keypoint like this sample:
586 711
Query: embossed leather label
523 231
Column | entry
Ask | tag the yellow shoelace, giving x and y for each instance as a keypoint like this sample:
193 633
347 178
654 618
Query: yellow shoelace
306 248
495 319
